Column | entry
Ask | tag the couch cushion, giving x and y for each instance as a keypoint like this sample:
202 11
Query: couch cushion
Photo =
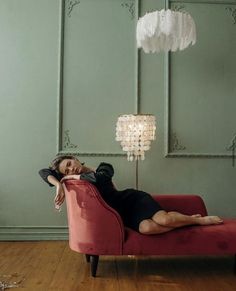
189 240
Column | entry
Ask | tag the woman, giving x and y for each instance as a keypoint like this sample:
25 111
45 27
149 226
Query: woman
137 209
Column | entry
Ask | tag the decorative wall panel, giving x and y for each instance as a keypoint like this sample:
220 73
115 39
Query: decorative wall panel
98 77
201 90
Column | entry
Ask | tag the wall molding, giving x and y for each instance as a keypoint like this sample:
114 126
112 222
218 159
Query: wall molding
197 155
70 6
91 154
130 5
175 143
231 147
134 9
201 2
28 233
178 7
67 142
232 144
168 147
232 12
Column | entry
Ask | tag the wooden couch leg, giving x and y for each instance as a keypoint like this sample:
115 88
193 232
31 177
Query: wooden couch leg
94 264
87 258
235 264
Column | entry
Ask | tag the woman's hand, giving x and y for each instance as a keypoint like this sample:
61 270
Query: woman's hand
60 195
68 177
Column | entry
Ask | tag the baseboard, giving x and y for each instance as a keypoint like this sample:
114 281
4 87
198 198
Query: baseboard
19 233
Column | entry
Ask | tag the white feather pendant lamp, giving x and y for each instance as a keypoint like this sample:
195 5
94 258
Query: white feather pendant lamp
165 30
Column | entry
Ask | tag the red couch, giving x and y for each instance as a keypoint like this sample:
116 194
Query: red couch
97 229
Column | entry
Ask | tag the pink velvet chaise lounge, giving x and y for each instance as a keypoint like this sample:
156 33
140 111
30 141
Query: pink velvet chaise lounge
96 229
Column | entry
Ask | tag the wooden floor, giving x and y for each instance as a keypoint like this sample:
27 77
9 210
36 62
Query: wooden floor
52 265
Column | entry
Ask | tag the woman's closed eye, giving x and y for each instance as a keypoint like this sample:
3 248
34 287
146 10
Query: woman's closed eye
67 166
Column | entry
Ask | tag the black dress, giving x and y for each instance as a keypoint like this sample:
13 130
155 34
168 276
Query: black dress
132 205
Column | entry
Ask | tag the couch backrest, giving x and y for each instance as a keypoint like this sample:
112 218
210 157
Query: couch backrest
187 204
94 227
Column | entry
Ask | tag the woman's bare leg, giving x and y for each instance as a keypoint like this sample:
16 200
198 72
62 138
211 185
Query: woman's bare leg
175 219
148 226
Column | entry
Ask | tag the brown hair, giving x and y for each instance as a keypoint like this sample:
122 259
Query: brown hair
56 162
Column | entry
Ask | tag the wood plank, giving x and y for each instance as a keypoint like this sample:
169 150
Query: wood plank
127 272
72 267
17 260
51 266
43 265
106 279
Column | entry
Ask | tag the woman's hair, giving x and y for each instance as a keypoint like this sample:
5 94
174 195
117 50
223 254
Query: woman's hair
56 162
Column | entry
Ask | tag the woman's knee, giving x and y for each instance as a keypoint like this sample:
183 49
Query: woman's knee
145 226
163 219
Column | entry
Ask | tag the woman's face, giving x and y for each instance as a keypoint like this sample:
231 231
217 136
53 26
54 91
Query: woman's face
70 167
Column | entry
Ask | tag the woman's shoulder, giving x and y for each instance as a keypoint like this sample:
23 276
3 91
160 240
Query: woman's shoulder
105 170
104 165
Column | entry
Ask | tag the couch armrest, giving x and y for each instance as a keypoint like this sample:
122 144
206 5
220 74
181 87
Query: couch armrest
94 227
186 204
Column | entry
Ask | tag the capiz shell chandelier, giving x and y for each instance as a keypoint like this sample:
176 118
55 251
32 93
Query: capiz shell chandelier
135 133
165 30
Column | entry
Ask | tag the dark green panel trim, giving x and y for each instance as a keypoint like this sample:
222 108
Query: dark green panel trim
137 68
60 76
16 233
203 2
196 155
76 153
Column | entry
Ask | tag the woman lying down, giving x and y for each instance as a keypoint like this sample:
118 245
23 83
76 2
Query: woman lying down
138 210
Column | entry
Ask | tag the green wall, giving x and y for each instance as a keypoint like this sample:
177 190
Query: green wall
69 68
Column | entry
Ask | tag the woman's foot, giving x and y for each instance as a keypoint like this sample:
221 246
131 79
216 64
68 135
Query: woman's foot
208 220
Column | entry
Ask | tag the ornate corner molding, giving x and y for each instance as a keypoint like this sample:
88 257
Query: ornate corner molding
70 5
67 142
231 147
178 7
232 144
232 11
130 6
175 144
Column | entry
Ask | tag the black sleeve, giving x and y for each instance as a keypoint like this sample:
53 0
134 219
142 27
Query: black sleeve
44 173
104 173
90 177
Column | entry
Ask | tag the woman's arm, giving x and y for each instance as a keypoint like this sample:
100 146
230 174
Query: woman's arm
45 173
52 178
53 181
69 177
60 194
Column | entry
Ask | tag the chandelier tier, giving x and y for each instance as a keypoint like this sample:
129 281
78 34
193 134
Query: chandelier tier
165 30
135 133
